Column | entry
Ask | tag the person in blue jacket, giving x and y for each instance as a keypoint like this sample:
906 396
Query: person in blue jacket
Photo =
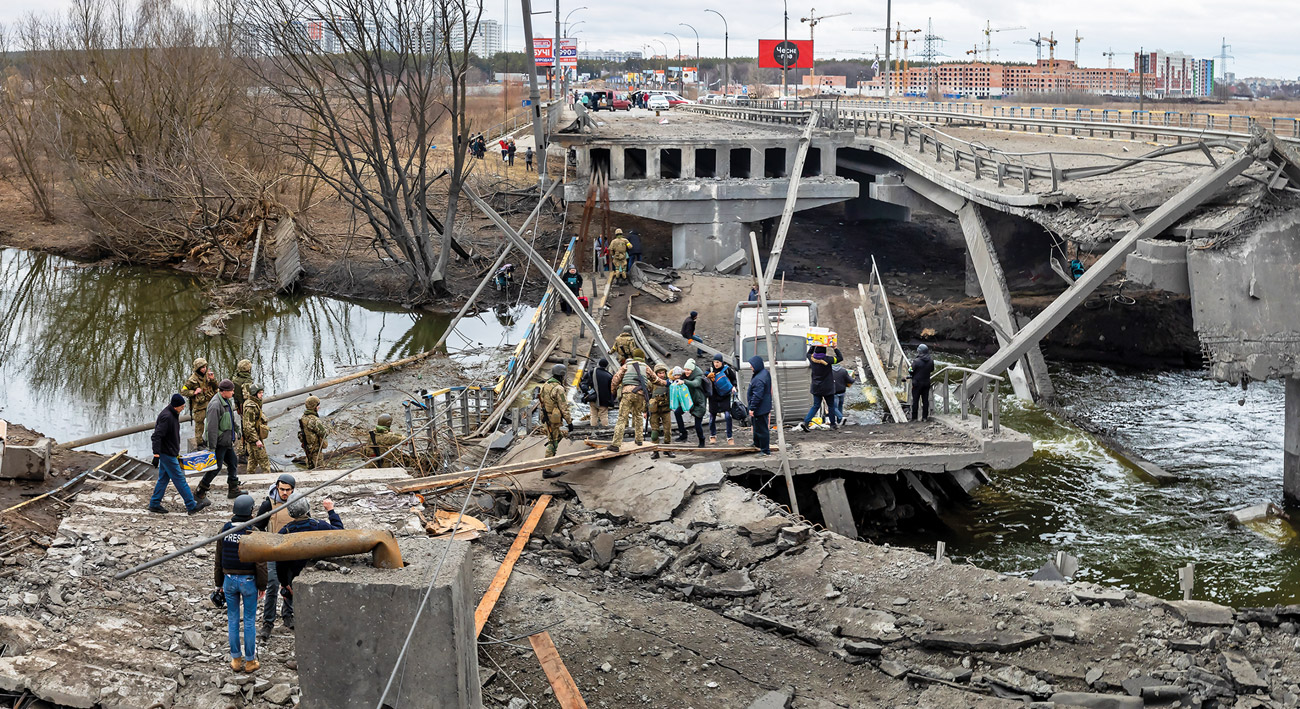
759 401
300 512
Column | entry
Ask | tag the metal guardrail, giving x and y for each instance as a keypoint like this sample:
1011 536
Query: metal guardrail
894 357
987 399
528 344
455 410
510 125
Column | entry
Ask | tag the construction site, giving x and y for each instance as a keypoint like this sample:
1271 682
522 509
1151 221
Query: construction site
1043 533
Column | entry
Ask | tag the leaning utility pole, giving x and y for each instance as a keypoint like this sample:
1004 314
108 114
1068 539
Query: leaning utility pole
889 9
534 99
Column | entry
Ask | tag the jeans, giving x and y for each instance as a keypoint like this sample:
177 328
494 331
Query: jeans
241 594
272 593
225 455
921 397
763 433
169 469
839 407
817 405
713 419
681 427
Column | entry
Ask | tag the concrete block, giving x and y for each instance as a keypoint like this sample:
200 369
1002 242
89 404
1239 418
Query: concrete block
1169 275
1163 249
26 462
351 627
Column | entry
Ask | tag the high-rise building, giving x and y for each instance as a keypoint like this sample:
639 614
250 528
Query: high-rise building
487 40
607 55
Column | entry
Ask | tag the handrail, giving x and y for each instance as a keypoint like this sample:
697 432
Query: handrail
967 370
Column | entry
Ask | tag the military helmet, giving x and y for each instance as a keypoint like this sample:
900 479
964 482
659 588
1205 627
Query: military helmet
558 371
200 363
243 506
313 402
638 353
245 365
627 329
923 349
255 389
661 367
385 420
618 232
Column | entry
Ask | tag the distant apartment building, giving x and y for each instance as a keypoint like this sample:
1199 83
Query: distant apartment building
1165 73
486 42
607 55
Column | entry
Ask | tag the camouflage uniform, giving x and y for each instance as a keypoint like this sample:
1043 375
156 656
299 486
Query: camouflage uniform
312 433
660 414
199 389
243 379
381 440
618 249
555 413
255 432
624 346
632 398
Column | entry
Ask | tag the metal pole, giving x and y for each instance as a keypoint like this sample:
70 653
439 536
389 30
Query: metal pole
726 58
889 9
535 97
785 37
776 394
555 52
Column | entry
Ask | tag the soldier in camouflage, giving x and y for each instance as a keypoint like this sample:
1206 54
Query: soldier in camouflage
624 345
200 389
632 383
381 439
660 411
255 431
312 433
243 379
618 250
555 413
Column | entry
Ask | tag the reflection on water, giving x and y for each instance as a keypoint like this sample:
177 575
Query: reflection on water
86 349
1075 496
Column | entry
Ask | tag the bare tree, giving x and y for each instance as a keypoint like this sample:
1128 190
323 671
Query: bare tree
359 103
24 129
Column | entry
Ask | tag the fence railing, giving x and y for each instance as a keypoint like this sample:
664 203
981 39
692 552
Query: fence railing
986 398
517 366
894 357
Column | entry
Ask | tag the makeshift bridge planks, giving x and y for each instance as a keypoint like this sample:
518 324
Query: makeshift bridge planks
286 260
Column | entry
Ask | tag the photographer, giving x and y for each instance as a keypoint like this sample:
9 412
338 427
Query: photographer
243 584
287 571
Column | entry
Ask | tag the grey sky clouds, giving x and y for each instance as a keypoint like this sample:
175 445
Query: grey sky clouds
1261 32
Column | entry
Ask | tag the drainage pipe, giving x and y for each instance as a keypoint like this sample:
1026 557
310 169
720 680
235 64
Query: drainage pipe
302 546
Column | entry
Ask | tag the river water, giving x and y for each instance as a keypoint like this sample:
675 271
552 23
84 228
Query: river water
90 348
85 349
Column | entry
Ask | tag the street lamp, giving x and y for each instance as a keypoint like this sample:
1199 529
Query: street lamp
697 50
569 28
726 60
566 18
663 83
785 39
679 61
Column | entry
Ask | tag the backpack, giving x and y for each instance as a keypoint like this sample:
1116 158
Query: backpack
721 382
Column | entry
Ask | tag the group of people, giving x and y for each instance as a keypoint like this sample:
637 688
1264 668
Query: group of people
478 148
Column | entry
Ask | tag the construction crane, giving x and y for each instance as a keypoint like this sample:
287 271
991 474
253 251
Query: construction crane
813 19
1037 42
988 51
1051 46
988 31
1110 57
1077 40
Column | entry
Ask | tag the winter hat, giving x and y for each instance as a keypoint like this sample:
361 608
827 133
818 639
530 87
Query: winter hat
245 365
226 385
677 371
690 364
177 400
719 358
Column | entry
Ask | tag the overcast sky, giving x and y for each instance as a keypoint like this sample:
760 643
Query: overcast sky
1261 32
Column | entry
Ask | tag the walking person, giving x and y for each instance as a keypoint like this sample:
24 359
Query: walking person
823 385
920 371
632 381
222 429
758 400
573 281
661 427
555 414
510 153
618 252
843 380
243 379
600 381
528 159
166 441
312 433
276 499
255 432
694 380
301 521
688 330
243 583
200 389
624 344
724 381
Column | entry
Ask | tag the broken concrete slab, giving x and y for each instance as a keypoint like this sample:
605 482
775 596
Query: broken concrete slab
1095 701
765 622
602 549
864 648
1091 594
764 531
642 562
638 488
865 624
551 519
19 635
894 668
990 641
673 534
1048 573
26 462
1242 673
729 506
1201 612
731 584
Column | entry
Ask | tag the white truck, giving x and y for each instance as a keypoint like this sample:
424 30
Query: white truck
790 322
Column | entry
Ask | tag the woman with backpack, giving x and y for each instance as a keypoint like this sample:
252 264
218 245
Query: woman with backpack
723 380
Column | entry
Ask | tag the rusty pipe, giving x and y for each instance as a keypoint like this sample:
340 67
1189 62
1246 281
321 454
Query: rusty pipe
302 546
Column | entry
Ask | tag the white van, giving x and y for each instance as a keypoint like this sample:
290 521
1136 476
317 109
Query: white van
790 322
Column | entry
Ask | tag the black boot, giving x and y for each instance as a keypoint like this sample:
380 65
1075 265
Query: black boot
233 491
202 491
654 456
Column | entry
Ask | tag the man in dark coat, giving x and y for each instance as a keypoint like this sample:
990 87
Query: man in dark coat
166 458
922 368
287 571
599 380
759 401
823 384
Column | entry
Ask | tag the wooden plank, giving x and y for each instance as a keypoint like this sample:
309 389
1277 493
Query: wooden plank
489 600
531 466
683 448
518 389
287 262
836 511
791 197
878 369
566 692
689 343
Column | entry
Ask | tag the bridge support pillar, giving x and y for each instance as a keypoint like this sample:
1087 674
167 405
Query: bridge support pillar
617 164
1291 442
993 285
707 245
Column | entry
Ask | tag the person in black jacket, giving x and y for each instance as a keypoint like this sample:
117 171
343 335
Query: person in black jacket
287 571
823 385
599 380
759 401
166 458
243 583
573 280
724 381
843 380
922 368
688 330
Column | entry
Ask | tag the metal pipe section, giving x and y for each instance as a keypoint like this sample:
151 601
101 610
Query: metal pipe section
303 546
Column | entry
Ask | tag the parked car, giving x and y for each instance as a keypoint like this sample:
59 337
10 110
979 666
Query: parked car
676 100
658 102
620 104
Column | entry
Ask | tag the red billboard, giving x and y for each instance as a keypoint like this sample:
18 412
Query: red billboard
542 52
785 54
